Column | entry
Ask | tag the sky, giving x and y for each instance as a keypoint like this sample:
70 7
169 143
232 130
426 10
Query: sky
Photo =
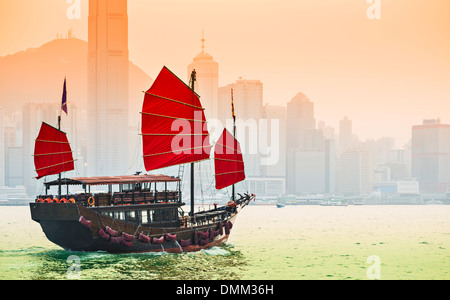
384 74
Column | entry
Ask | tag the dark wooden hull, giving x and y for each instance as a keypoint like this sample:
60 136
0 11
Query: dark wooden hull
61 225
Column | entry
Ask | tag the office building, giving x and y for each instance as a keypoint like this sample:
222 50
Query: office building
356 171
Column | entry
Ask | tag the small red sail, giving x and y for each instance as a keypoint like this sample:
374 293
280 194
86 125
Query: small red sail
52 152
174 127
228 161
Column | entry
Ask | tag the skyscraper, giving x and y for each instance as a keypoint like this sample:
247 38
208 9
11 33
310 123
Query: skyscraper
431 156
207 85
108 58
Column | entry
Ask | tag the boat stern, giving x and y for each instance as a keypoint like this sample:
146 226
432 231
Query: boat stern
60 224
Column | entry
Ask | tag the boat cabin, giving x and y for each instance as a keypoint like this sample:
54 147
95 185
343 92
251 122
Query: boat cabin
138 199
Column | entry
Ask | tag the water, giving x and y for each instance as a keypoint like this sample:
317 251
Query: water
295 242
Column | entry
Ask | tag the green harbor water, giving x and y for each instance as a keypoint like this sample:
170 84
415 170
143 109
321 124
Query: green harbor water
290 243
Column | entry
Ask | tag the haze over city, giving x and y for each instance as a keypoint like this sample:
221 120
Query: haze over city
386 74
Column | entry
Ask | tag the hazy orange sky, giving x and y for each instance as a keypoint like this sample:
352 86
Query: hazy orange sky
385 75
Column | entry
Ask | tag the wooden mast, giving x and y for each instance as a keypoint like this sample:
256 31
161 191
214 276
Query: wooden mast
59 175
234 135
193 79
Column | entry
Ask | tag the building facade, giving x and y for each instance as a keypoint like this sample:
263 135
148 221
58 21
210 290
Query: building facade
356 171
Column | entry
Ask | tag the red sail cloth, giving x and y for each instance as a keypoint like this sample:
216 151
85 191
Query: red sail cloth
52 152
228 161
174 129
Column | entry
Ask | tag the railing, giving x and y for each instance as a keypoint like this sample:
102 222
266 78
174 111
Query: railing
118 198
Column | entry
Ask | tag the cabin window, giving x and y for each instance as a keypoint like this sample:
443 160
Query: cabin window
130 217
156 218
165 215
146 186
128 187
144 217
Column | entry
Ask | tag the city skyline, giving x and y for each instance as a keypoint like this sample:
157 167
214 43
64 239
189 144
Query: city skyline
316 158
385 75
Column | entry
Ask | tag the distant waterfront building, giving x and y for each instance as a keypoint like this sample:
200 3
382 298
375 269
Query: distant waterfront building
356 171
108 73
431 156
312 171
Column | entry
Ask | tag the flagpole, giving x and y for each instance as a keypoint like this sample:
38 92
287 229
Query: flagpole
64 102
234 135
59 175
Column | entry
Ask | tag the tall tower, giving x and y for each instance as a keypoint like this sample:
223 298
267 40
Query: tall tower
207 85
108 59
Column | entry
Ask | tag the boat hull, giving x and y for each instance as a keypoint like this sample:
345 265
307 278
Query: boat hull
61 224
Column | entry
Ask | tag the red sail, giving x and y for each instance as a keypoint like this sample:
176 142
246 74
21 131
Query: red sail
52 152
174 127
228 161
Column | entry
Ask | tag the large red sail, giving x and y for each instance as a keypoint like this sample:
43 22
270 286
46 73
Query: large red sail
52 152
174 127
228 161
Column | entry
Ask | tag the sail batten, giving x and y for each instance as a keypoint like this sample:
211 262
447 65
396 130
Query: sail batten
52 152
172 117
173 100
228 161
174 128
55 165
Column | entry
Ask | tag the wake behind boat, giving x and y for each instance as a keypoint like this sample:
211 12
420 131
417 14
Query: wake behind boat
142 213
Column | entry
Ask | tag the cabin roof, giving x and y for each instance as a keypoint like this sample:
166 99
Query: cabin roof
106 180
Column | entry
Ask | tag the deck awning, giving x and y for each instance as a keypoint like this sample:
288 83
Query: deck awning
107 180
